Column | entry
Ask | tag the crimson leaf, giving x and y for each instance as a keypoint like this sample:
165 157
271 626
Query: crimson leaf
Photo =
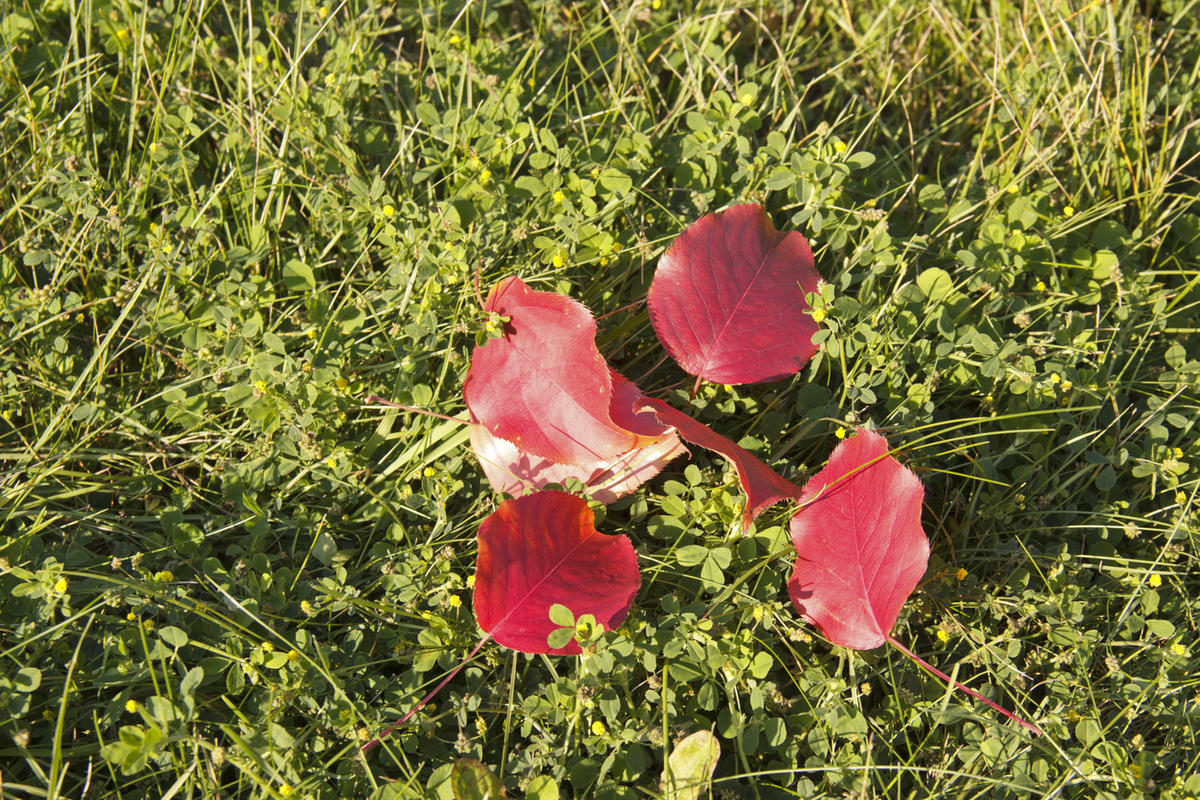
513 471
542 549
860 549
543 385
728 298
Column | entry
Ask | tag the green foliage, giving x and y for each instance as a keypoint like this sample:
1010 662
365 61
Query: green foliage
222 227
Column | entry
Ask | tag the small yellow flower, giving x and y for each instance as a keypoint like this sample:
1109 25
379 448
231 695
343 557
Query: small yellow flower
306 607
471 581
1041 286
961 574
388 211
1178 649
559 196
1055 377
1068 211
746 99
1180 498
485 177
132 617
259 60
166 248
311 333
942 636
530 81
1155 580
260 387
454 39
123 34
1066 386
285 790
148 624
1013 188
166 576
342 384
60 586
656 4
454 601
153 225
595 172
840 432
599 728
818 315
429 472
293 656
153 149
604 261
558 259
839 146
131 706
267 647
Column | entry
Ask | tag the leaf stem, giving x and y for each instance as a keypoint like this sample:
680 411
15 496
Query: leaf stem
366 748
922 662
380 401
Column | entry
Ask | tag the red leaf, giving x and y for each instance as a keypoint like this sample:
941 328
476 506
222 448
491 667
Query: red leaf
543 549
860 549
511 470
763 486
728 298
544 386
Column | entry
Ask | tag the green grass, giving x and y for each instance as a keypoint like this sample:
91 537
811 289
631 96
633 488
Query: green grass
222 226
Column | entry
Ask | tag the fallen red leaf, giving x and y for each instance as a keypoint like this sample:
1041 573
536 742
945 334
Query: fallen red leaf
860 549
763 486
728 298
543 385
511 470
542 549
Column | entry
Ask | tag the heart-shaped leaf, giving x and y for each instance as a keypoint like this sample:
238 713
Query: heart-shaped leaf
473 780
763 486
542 549
860 549
513 471
690 766
543 385
728 298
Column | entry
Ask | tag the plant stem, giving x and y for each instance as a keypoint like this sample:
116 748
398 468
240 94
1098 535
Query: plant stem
366 748
1029 725
380 401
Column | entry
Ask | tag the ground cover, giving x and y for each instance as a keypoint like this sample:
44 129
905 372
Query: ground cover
223 227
